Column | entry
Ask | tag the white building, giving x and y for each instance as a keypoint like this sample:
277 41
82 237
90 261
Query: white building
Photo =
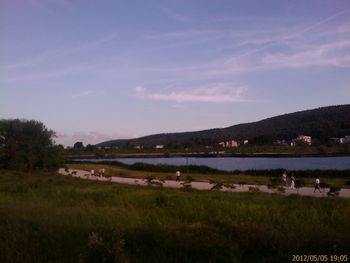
159 146
229 144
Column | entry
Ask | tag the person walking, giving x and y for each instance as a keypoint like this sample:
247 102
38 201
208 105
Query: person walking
92 173
178 174
103 172
284 178
317 185
292 183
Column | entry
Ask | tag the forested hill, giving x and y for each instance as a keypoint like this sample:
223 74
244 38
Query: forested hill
321 124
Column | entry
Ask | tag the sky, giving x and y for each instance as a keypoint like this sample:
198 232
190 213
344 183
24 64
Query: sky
99 70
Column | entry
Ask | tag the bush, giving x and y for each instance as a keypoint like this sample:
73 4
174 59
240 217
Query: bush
324 185
253 189
299 183
274 183
217 186
333 190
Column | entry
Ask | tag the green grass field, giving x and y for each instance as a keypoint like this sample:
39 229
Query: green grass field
46 217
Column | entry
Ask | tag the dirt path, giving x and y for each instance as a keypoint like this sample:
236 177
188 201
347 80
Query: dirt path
304 191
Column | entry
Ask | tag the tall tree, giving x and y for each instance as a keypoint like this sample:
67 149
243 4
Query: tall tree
28 144
78 145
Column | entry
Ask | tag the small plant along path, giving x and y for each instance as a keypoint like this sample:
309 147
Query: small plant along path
304 191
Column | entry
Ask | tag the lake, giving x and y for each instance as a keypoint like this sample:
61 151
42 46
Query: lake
247 163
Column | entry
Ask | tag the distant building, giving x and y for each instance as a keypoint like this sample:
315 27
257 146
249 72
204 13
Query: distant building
301 140
245 142
138 147
159 146
229 144
346 139
232 144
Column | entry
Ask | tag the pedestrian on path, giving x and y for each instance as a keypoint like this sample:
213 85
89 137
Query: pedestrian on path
317 185
284 178
178 174
292 183
92 173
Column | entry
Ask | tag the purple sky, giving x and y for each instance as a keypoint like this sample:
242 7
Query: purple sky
99 70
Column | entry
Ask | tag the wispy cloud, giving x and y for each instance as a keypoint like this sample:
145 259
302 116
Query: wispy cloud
84 94
331 54
50 74
44 4
218 93
67 51
314 45
176 15
139 89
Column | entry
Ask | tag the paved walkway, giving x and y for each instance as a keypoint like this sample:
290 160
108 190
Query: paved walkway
304 191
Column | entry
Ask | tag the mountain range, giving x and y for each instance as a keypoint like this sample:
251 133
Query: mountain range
321 124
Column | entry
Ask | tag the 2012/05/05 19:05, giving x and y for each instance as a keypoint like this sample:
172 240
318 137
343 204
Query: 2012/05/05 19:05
320 258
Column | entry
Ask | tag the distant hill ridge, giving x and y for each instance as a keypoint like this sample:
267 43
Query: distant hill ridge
321 124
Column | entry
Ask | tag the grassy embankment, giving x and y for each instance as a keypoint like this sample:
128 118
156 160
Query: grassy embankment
52 218
203 173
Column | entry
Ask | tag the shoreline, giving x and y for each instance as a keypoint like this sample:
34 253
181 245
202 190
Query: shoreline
206 155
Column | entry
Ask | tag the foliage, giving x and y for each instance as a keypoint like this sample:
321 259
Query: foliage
274 182
253 189
28 144
299 183
78 145
333 190
48 218
217 186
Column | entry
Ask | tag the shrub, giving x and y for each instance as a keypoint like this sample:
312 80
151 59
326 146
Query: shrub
333 190
230 186
254 189
189 179
299 183
324 185
217 186
274 182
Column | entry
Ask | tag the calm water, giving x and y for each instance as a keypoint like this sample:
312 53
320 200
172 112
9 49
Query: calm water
233 163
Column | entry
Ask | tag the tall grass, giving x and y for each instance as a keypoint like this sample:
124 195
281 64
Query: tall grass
51 218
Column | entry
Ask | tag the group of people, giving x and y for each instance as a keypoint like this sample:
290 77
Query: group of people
101 172
284 180
292 182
